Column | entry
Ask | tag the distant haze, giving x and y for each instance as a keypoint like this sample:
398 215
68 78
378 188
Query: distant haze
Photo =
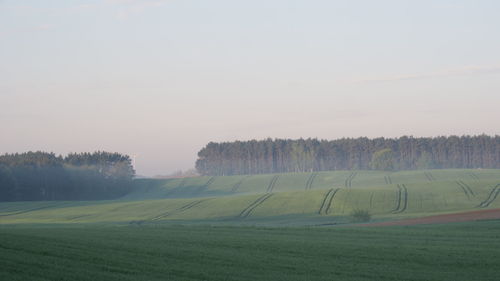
159 79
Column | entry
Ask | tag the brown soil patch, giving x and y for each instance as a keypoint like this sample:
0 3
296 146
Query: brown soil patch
455 217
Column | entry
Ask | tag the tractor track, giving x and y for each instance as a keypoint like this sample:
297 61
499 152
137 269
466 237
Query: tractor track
272 184
473 176
329 206
249 209
466 188
205 186
57 205
324 201
176 189
371 199
491 197
388 179
466 192
327 201
402 199
237 185
181 209
310 181
348 180
429 176
246 212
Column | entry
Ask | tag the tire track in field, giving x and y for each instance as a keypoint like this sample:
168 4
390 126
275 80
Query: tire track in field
56 205
310 181
466 188
402 198
348 180
473 176
237 185
388 179
371 199
181 209
429 176
176 189
272 184
466 192
248 210
491 197
327 201
330 201
205 186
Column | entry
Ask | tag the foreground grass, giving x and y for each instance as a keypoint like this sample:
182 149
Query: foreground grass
440 252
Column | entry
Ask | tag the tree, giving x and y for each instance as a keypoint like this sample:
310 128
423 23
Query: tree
7 184
425 161
303 155
45 176
382 160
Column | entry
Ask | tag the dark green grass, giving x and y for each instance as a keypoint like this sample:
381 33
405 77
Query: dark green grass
440 252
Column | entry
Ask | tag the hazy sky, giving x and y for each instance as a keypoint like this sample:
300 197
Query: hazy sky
160 79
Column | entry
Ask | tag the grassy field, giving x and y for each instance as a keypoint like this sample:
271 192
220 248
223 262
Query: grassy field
277 199
440 252
263 227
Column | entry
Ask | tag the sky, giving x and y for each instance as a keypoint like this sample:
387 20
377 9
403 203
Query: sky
158 80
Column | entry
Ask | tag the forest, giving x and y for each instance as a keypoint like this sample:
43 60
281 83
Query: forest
40 175
305 155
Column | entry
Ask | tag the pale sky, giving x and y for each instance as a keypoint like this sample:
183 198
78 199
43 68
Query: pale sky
159 79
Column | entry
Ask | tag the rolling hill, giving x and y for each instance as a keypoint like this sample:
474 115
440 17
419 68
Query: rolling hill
277 199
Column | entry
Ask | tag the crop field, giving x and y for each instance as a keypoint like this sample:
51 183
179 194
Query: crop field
283 199
262 227
467 251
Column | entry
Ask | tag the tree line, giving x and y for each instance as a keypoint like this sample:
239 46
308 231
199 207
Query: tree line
78 176
305 155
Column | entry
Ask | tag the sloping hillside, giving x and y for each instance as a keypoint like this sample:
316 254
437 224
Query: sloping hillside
295 198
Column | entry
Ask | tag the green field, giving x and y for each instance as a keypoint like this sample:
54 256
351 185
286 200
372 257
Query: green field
276 199
262 227
439 252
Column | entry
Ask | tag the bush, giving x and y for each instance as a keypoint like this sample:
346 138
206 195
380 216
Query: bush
360 216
